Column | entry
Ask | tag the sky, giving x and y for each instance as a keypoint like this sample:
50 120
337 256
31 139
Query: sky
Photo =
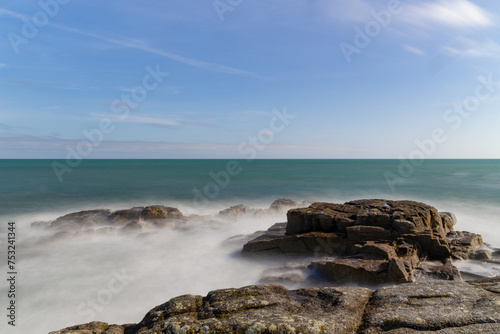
249 79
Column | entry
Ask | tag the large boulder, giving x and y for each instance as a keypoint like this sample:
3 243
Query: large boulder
282 206
396 217
81 220
464 244
377 241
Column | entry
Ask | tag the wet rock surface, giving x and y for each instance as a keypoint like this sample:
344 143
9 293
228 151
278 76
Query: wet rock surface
434 307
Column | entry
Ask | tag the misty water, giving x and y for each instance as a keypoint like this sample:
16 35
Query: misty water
118 277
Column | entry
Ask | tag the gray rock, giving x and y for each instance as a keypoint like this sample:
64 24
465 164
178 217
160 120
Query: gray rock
260 309
433 306
95 327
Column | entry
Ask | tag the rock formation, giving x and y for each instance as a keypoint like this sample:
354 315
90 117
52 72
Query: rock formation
434 307
373 241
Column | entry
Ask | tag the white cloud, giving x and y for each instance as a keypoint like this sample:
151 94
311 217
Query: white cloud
459 14
155 120
466 47
425 14
2 65
136 119
267 133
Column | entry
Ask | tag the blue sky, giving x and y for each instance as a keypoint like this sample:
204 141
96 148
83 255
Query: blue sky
362 79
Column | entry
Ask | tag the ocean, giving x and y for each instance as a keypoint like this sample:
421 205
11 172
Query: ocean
63 283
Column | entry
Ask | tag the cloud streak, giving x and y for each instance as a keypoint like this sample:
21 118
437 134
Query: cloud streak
142 46
22 141
452 13
153 120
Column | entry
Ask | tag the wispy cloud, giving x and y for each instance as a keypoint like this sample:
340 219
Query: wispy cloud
458 14
429 14
466 47
2 65
5 12
414 50
142 46
154 120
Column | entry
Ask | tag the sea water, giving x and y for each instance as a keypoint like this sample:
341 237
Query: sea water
117 278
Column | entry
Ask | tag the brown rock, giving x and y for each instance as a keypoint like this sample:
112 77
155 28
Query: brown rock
367 233
462 244
160 212
314 243
446 271
123 217
283 205
93 328
353 270
398 233
481 254
235 211
81 220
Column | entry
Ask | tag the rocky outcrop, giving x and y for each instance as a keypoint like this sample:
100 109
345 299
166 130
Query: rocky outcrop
374 241
438 307
82 219
91 222
157 212
464 244
277 208
283 205
434 307
235 211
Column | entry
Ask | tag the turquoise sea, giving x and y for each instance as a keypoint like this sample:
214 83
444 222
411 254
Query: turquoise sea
64 282
31 186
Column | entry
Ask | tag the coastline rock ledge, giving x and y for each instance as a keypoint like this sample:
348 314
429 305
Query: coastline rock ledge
372 242
439 307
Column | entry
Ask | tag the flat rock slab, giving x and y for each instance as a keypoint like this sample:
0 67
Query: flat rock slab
446 307
252 309
434 307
